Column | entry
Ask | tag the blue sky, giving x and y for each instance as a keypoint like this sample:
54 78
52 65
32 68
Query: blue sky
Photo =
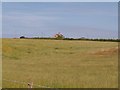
89 19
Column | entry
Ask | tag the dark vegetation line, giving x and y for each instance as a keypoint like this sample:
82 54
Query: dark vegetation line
73 39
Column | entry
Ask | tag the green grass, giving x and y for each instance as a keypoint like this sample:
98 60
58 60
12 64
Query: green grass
59 63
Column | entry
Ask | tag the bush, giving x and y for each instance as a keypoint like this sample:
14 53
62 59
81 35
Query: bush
22 37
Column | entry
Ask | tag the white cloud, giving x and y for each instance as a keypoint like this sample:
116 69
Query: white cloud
26 19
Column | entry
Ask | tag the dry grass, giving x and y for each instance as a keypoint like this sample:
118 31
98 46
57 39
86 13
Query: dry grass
58 63
108 51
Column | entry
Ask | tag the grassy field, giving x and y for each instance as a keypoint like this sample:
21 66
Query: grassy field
60 63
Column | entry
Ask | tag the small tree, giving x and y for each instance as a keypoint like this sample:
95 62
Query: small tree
22 37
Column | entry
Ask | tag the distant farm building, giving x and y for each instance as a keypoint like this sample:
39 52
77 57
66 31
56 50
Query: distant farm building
59 36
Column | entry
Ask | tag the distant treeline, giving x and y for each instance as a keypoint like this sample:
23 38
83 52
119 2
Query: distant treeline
86 39
112 40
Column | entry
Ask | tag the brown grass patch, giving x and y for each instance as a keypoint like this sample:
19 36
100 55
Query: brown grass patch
108 51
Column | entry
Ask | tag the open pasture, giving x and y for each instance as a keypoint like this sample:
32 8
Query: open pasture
59 63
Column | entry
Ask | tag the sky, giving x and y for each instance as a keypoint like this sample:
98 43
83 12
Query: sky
72 19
